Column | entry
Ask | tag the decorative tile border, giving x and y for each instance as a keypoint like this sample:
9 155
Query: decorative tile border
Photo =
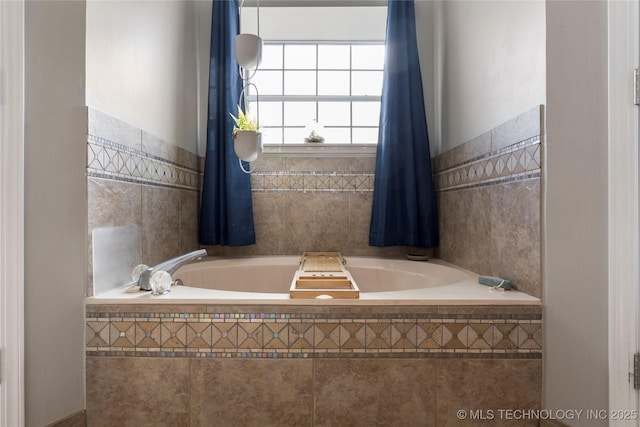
110 160
515 162
286 335
311 182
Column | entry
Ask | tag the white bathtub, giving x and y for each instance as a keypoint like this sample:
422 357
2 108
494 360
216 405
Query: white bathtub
266 279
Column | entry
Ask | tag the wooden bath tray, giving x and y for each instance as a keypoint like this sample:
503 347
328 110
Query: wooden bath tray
322 274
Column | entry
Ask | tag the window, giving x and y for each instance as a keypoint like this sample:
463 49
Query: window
332 88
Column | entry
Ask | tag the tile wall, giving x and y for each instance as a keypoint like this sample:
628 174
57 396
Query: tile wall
135 178
489 202
312 204
309 365
300 203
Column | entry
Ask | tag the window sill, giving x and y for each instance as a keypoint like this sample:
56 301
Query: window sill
320 150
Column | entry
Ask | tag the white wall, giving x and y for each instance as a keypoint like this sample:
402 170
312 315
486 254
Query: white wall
317 23
203 45
141 65
490 61
576 276
428 33
55 209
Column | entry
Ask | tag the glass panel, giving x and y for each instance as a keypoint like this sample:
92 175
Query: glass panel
366 83
366 113
365 135
250 109
334 113
337 135
300 56
294 135
271 57
333 83
367 57
270 113
300 83
336 57
268 82
299 113
272 136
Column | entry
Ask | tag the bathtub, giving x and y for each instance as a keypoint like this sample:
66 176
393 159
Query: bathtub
234 329
266 280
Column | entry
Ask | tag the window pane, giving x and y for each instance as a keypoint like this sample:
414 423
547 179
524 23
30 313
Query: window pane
368 57
299 113
333 83
366 83
294 135
333 57
334 113
300 83
337 135
365 135
268 82
366 113
271 57
300 56
272 135
270 113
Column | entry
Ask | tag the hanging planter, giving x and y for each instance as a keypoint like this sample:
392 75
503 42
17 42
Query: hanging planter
247 137
248 48
247 144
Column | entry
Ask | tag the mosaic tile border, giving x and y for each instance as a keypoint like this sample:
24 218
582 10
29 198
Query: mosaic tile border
516 162
311 182
111 160
282 335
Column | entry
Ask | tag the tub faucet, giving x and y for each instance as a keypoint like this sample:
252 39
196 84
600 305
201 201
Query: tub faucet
170 266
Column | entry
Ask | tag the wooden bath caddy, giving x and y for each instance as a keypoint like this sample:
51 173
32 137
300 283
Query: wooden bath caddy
322 274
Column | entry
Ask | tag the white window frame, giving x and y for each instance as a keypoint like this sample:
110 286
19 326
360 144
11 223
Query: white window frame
12 397
325 149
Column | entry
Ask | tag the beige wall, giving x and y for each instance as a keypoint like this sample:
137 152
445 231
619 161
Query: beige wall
55 209
576 274
488 57
142 65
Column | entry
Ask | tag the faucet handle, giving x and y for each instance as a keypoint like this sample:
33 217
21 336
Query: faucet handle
160 282
137 271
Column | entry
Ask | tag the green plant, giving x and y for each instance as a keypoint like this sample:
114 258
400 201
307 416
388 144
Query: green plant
243 121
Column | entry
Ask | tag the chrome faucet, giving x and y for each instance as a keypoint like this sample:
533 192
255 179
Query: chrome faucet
170 266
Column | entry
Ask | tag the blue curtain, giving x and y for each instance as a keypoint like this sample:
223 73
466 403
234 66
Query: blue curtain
404 202
226 214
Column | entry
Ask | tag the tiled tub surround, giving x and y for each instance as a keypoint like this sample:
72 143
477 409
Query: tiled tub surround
312 204
489 202
135 178
197 364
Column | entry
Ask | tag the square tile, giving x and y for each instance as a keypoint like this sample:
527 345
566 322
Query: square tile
352 336
378 335
275 335
224 335
368 392
301 336
326 336
463 384
120 391
250 336
251 392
